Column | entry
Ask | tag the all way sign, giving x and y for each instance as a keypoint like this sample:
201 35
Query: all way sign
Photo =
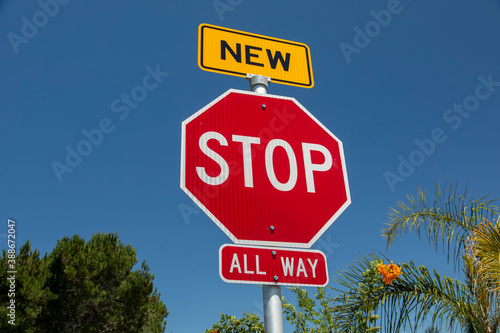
239 53
274 266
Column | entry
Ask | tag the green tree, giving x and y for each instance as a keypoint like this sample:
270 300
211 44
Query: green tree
355 307
249 323
306 318
460 224
81 287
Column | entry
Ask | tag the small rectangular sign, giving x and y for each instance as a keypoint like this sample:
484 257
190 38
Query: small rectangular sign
239 53
272 266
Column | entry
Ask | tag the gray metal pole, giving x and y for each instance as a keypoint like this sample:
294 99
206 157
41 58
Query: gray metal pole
273 312
271 294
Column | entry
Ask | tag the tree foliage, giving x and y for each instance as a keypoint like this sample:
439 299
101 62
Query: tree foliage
446 220
355 307
308 317
406 302
249 323
81 287
460 224
311 314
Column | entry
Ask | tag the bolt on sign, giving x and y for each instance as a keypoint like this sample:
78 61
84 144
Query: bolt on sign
273 266
239 53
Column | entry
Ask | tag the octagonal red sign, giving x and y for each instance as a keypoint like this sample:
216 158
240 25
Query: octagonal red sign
264 169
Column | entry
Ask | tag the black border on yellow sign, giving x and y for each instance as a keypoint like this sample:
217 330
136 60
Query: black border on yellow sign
224 71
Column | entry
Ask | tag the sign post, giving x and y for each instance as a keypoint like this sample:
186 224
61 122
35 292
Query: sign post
262 167
271 294
273 309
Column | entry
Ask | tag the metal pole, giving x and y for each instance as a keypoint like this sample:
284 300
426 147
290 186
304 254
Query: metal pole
273 312
271 294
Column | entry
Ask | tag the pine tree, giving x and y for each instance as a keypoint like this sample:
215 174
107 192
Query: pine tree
80 287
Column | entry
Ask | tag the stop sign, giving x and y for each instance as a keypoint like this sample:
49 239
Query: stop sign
264 169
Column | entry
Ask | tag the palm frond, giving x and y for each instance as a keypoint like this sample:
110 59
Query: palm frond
482 271
487 251
411 299
446 219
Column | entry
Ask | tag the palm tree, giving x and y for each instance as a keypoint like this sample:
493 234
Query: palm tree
461 225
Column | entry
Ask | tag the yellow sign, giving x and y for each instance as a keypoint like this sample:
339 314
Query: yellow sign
239 53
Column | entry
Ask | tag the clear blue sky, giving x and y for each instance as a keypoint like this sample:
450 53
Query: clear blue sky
422 76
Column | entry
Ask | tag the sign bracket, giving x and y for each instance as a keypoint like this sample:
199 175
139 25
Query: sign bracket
258 83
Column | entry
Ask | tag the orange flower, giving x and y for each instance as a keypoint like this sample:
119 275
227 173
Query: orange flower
389 272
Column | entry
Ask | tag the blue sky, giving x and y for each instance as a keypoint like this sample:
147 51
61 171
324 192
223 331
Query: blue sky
417 102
